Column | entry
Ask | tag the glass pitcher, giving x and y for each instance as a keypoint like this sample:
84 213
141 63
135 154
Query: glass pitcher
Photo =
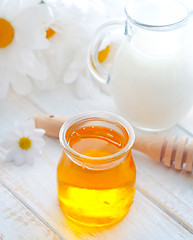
151 77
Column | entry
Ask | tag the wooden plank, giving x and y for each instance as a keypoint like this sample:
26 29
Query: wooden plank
169 189
144 221
17 222
47 206
155 180
64 101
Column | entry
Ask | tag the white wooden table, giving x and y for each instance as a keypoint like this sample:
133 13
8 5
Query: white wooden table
29 209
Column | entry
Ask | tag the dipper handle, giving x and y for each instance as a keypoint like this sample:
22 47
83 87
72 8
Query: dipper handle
173 152
50 123
170 151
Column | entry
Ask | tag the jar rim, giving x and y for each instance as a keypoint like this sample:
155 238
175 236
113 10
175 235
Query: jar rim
97 115
158 27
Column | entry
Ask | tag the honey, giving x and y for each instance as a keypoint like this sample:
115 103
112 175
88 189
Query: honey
95 180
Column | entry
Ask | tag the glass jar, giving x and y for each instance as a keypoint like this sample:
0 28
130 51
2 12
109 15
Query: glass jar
96 173
151 77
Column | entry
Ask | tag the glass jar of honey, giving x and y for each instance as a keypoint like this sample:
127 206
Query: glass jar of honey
96 173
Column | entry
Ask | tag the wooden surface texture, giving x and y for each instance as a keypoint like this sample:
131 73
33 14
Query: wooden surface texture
29 209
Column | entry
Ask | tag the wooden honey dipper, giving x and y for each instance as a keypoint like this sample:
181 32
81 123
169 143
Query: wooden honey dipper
170 151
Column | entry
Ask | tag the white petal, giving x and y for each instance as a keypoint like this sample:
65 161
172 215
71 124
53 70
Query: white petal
21 84
39 71
4 82
19 157
27 56
30 31
3 89
11 8
39 41
8 143
79 61
48 84
15 155
9 57
70 76
46 13
34 17
37 144
38 132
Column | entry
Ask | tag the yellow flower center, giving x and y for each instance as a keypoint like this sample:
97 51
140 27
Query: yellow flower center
6 33
49 33
103 54
24 143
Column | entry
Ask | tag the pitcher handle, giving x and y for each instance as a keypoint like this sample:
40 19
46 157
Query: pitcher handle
95 67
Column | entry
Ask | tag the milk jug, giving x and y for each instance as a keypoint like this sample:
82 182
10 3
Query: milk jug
151 77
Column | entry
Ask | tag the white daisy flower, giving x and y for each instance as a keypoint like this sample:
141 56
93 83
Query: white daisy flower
69 37
23 27
23 143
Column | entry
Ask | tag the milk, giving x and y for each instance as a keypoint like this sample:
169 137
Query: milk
152 79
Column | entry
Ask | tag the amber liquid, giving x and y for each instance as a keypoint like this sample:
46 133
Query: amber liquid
96 197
